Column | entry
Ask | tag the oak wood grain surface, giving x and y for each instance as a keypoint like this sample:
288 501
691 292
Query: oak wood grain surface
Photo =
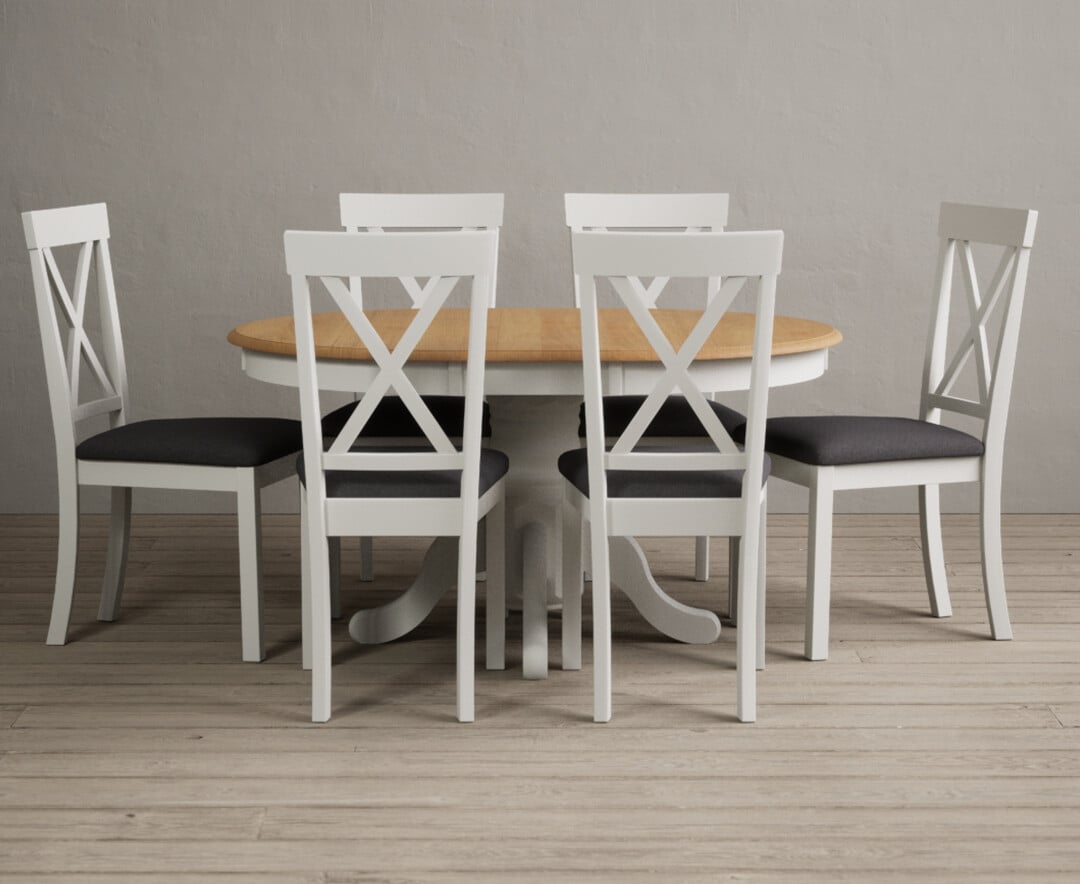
534 334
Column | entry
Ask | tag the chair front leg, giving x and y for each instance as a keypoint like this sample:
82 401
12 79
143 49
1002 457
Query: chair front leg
67 558
495 587
334 550
933 553
701 559
992 567
572 586
112 587
249 517
819 564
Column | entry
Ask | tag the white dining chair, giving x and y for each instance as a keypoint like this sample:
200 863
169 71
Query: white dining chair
358 486
634 488
375 213
238 455
833 453
656 211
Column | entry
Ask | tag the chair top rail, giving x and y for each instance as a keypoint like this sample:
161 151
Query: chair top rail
390 255
625 253
988 224
676 210
48 228
453 210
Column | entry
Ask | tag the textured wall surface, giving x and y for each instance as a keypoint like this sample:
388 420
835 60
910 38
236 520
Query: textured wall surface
210 127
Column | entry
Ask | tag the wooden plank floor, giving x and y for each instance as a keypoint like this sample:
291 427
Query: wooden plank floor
146 751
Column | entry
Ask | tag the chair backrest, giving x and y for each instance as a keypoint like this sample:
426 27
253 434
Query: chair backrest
960 226
333 256
88 228
653 211
737 258
377 212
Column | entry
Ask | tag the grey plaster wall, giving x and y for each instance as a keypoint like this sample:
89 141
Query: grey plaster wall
210 127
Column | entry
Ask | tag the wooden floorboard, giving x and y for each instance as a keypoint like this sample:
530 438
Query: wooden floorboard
144 750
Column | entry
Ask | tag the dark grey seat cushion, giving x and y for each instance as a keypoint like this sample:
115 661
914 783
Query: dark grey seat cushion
655 483
199 441
675 417
834 440
419 483
392 418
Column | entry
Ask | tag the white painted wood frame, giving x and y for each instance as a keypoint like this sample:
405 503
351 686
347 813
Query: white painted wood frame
656 211
88 228
376 212
736 258
959 227
447 256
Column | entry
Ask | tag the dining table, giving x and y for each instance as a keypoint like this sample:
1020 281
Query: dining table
533 383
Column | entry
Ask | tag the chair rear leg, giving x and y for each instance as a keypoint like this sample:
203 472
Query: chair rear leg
67 557
305 585
992 568
573 526
733 580
933 553
819 565
112 587
761 588
481 550
249 513
701 559
334 551
495 587
318 560
367 560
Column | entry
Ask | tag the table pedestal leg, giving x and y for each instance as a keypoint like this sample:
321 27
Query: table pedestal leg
397 618
533 431
630 573
534 602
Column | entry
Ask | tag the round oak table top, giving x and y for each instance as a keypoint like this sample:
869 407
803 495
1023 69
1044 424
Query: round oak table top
534 334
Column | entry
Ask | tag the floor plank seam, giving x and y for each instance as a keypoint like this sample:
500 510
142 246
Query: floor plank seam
186 758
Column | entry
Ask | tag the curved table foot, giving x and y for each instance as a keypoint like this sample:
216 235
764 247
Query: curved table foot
388 622
630 573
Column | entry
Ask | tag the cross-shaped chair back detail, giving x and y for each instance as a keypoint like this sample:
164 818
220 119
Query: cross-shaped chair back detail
330 257
960 226
682 212
88 228
736 257
377 212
